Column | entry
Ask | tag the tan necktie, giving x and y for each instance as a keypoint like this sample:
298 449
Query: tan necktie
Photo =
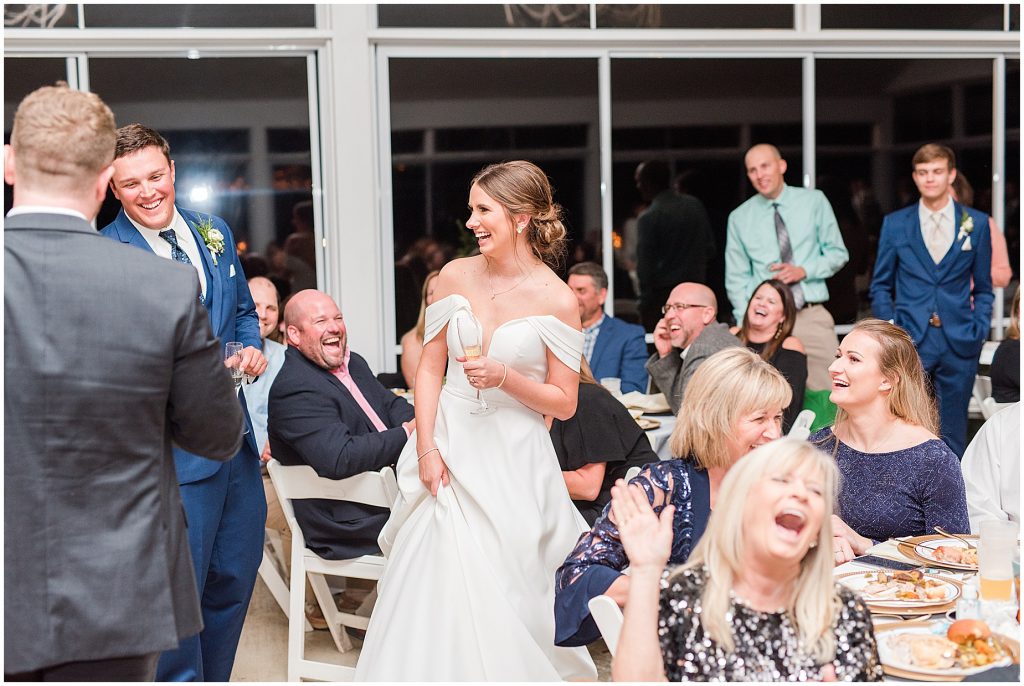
938 238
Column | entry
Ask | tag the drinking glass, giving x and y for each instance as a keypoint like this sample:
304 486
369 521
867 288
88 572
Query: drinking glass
996 547
233 356
471 336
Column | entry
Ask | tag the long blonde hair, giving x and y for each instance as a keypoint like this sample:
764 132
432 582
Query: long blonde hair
421 323
729 384
812 606
909 399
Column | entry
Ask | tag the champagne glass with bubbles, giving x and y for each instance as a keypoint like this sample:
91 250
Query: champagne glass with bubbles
471 336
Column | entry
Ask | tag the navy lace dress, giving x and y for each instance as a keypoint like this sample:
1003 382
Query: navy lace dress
900 493
598 558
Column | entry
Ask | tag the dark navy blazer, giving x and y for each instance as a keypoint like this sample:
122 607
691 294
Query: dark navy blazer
620 351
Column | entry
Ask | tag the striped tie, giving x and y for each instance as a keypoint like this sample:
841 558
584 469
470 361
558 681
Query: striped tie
786 252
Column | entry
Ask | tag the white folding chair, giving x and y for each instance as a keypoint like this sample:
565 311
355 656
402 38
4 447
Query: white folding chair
982 389
301 482
608 618
631 472
802 425
989 407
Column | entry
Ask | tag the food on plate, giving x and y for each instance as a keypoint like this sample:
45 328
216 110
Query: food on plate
956 555
974 643
924 650
911 585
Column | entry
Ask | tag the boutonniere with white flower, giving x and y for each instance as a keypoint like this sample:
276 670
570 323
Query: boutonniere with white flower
212 236
966 227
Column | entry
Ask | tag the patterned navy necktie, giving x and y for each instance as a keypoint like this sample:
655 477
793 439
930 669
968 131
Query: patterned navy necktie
177 254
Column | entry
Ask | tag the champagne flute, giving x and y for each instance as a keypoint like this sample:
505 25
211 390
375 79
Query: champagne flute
471 336
233 356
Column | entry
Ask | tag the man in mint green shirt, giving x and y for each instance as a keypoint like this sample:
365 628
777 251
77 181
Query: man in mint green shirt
790 234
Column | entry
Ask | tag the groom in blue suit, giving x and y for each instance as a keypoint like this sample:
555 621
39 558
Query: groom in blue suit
223 501
933 278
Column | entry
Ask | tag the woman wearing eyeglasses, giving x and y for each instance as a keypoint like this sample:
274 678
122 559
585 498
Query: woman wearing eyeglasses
686 336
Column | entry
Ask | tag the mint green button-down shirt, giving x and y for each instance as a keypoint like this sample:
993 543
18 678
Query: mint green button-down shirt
751 244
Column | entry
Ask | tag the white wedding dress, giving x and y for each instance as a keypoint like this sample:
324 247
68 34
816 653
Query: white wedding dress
468 590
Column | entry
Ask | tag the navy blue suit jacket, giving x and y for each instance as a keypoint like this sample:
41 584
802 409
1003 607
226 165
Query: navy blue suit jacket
230 307
314 420
908 286
620 351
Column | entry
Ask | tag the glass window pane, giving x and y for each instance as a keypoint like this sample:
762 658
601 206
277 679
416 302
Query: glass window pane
239 135
872 115
923 17
22 75
450 118
40 16
1011 219
483 16
687 16
199 16
701 119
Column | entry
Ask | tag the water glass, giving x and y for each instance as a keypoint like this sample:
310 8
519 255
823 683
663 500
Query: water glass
996 548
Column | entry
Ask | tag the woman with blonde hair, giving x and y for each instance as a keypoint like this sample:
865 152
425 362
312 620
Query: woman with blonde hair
412 340
756 601
899 478
483 518
732 404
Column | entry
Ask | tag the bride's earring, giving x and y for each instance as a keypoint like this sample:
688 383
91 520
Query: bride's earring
519 229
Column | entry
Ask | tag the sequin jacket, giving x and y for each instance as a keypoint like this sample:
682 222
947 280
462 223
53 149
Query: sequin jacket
598 558
767 643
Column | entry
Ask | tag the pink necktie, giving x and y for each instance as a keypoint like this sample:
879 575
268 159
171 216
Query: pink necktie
350 383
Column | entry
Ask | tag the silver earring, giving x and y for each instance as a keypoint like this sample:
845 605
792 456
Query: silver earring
519 229
814 544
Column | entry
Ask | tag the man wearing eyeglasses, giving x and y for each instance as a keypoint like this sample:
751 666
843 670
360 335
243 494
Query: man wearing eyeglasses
686 335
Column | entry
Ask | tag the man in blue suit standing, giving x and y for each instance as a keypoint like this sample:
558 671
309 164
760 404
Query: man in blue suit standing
933 278
223 501
611 346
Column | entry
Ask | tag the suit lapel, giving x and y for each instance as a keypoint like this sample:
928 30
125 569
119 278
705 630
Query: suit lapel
214 299
958 242
916 240
603 335
349 398
127 233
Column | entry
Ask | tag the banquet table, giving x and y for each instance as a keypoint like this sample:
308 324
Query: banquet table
659 436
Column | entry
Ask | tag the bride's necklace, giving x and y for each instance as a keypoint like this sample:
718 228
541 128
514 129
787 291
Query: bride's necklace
512 288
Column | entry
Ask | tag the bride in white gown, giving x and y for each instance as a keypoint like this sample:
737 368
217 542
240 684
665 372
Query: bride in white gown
468 590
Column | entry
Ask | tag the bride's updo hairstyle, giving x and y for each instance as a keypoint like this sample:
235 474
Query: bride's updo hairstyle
522 188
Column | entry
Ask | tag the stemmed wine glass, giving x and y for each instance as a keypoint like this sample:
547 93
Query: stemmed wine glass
471 336
233 356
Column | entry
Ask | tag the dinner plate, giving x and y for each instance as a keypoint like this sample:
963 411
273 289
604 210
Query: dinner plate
646 423
894 665
922 548
858 581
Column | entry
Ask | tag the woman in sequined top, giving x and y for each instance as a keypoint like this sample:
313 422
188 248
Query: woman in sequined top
732 404
756 601
899 478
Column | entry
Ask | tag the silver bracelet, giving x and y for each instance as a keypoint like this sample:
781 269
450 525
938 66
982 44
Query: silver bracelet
426 453
504 373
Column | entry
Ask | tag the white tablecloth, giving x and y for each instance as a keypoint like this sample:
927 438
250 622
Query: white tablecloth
659 437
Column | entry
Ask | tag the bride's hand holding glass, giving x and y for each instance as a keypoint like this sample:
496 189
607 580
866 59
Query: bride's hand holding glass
433 470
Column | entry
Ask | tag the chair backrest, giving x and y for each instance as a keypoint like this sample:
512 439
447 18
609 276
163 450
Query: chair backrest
631 472
298 482
989 407
982 388
802 425
608 618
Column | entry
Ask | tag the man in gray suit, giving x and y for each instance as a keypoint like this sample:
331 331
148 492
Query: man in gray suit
109 358
686 336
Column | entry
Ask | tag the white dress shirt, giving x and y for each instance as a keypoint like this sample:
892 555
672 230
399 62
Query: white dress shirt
186 241
991 468
947 219
44 209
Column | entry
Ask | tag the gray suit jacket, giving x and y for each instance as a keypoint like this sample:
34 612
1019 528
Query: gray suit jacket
670 374
109 358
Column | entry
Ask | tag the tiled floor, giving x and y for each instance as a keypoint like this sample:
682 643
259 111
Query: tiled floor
263 649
